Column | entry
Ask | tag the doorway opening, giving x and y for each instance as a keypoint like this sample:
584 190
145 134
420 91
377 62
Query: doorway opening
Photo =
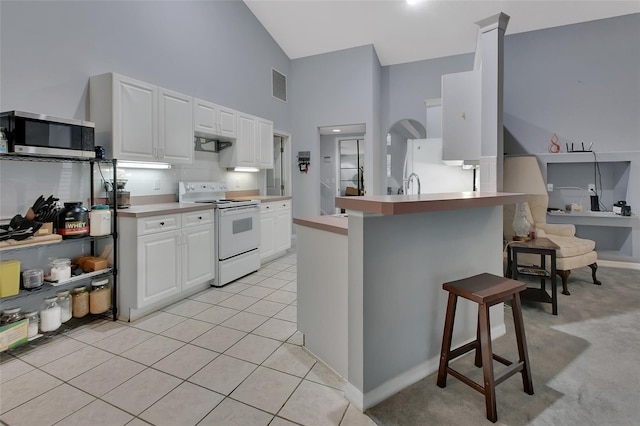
278 178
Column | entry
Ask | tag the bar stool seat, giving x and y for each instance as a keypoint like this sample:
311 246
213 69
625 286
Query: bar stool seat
486 290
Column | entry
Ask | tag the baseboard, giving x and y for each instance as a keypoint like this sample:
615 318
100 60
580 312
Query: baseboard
363 401
616 264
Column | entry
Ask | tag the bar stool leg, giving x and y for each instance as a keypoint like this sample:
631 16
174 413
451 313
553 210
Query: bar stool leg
522 343
478 360
446 340
487 362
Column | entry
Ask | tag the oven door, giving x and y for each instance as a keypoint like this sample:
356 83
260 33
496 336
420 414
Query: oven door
238 230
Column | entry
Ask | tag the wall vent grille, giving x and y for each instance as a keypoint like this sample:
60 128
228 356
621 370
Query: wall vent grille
279 85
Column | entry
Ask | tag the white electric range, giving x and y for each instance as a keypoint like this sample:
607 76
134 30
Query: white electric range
237 225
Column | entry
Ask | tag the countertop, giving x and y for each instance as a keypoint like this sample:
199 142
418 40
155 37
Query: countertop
262 198
147 210
424 203
335 224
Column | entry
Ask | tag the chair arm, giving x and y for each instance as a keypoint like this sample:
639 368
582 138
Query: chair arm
565 230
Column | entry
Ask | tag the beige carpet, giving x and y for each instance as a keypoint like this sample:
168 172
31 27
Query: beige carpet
585 365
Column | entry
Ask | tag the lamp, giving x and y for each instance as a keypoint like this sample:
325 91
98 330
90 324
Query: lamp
524 176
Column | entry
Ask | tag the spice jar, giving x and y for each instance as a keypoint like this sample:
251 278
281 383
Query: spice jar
50 315
60 269
100 296
80 302
64 301
32 328
11 315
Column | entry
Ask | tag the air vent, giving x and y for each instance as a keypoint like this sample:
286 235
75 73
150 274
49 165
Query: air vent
279 85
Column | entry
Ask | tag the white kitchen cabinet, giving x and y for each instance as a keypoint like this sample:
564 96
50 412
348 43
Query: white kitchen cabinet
211 120
275 229
165 258
137 121
461 110
254 145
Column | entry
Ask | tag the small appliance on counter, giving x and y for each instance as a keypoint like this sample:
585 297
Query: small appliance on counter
123 198
622 208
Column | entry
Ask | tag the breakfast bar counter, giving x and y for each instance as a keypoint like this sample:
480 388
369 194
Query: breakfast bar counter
371 304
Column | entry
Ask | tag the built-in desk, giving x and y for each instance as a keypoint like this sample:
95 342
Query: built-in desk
383 312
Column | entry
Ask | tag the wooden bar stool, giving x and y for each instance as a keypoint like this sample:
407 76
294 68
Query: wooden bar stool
486 290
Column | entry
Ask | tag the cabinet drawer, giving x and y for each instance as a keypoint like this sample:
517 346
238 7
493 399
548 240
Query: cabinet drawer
197 218
154 224
273 206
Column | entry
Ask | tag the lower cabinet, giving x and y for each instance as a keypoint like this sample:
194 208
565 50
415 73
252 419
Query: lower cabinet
164 258
275 229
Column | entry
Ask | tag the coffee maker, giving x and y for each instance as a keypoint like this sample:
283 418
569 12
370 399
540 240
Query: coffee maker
123 198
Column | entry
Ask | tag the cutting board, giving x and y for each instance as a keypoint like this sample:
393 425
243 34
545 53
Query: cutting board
31 241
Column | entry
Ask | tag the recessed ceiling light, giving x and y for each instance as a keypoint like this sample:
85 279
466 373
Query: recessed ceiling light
336 130
414 2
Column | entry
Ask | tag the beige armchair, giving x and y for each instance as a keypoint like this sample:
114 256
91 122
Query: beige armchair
522 174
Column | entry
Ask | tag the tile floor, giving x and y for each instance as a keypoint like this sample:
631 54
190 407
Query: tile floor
228 356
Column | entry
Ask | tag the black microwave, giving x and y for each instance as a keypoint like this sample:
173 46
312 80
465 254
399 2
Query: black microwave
36 134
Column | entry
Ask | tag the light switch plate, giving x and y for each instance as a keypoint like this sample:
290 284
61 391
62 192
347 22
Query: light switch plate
550 187
592 188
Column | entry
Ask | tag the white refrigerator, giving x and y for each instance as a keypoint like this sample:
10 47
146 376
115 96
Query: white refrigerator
424 158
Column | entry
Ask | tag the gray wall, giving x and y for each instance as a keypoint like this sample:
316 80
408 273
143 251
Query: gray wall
215 50
331 89
579 81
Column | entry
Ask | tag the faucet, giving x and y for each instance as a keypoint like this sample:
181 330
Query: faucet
411 176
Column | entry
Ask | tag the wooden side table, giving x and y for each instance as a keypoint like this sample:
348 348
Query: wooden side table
543 247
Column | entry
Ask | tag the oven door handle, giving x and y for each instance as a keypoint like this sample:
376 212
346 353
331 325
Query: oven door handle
238 210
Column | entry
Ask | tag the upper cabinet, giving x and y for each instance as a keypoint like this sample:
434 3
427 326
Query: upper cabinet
140 121
461 125
254 146
211 120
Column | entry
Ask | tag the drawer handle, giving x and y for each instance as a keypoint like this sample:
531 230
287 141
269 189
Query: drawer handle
161 223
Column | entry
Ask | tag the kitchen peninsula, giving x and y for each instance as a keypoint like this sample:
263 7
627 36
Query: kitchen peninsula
370 298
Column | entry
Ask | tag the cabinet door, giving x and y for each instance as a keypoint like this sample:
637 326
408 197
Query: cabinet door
265 144
159 267
283 227
205 122
198 255
246 154
267 231
175 144
461 131
135 120
227 123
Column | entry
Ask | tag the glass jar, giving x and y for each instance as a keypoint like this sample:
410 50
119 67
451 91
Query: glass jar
80 302
11 315
60 269
32 328
100 296
50 315
64 301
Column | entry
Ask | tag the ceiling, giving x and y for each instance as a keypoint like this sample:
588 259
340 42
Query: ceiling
405 33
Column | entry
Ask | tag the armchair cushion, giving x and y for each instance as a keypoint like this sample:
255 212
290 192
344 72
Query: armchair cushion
556 229
571 246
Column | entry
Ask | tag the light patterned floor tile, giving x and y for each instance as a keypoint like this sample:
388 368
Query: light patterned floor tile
355 417
123 340
11 367
235 287
278 266
216 314
213 296
223 374
286 275
253 348
100 414
296 339
187 308
188 330
158 322
219 339
266 308
282 296
140 392
91 335
186 405
152 350
46 350
266 389
313 404
239 302
74 364
257 292
26 387
290 359
276 329
233 413
264 272
49 407
185 361
278 421
137 422
244 321
107 376
274 283
323 375
292 287
290 313
251 279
